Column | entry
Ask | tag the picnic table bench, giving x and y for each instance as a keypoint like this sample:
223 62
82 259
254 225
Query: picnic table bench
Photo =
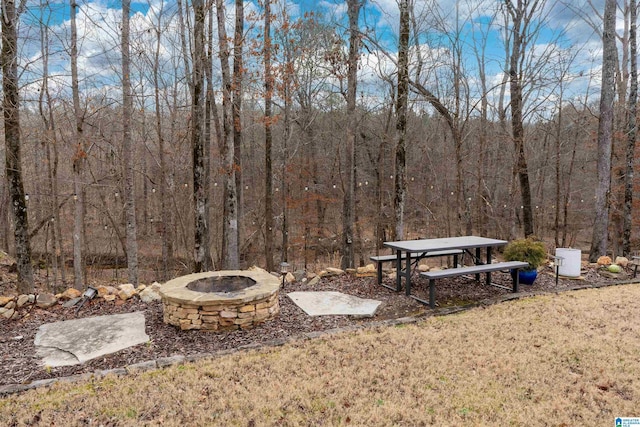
381 259
461 271
635 261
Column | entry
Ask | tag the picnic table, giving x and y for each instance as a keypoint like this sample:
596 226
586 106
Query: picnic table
413 250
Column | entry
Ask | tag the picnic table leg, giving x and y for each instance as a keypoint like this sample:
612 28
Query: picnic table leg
407 280
478 262
516 281
398 270
488 262
379 265
432 293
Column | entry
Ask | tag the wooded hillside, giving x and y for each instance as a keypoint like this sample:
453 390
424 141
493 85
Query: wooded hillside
216 132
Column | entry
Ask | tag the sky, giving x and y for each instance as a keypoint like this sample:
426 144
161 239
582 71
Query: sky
562 30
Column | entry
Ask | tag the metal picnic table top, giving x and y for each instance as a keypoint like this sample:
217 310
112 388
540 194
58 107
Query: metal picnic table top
444 243
439 244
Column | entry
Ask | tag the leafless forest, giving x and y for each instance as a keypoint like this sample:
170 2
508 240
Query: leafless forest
214 135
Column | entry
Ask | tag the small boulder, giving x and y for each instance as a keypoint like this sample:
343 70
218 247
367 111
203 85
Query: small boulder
109 297
126 291
71 293
289 278
46 300
104 290
423 268
604 260
5 300
314 281
7 313
367 269
622 261
23 300
149 294
331 271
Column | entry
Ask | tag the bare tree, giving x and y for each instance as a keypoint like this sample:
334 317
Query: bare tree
348 208
286 88
424 75
401 121
599 241
522 14
202 261
268 139
13 161
127 151
230 244
632 108
45 107
236 110
165 210
79 158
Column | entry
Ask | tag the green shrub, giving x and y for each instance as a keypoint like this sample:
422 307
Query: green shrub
527 250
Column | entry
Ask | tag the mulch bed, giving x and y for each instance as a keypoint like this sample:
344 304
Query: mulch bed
20 365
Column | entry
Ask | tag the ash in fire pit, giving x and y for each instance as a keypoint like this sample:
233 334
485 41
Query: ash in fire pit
221 284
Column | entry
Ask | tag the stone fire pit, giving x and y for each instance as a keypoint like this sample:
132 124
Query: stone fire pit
221 300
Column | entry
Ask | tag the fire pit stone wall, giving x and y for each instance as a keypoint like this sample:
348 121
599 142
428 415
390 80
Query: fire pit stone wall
221 311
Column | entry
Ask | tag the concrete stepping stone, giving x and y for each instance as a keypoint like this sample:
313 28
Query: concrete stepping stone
327 303
72 342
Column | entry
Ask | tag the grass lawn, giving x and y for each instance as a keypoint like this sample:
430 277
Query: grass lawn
571 359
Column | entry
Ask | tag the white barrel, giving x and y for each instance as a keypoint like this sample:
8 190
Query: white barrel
572 261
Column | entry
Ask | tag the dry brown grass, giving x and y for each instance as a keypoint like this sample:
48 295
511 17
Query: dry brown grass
569 359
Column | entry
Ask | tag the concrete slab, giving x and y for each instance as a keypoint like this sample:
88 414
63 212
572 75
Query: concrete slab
334 303
76 341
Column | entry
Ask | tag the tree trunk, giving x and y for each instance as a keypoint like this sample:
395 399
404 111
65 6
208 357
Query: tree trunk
46 112
517 126
558 183
165 210
212 116
401 121
348 208
286 137
4 216
483 163
599 241
127 151
202 260
78 160
13 163
631 133
230 247
268 140
238 73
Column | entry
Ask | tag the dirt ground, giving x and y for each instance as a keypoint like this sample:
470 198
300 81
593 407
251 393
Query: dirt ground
20 365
